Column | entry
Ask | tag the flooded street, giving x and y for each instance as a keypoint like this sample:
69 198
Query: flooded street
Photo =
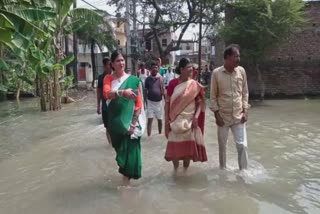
60 163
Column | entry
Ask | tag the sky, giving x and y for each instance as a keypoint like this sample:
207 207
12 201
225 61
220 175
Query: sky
101 4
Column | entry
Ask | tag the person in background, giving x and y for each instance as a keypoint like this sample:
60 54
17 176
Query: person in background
162 70
154 88
143 73
102 108
168 76
194 73
229 102
206 75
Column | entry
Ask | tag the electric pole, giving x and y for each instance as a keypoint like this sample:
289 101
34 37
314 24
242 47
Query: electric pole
128 43
135 36
75 52
200 38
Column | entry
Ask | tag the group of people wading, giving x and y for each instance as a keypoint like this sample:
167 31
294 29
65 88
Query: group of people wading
128 104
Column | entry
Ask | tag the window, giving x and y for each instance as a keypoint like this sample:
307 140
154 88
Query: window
164 42
118 41
118 24
188 47
148 45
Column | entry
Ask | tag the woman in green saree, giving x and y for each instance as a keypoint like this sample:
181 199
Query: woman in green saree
126 117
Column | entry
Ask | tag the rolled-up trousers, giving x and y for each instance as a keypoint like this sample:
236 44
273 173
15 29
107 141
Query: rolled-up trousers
240 138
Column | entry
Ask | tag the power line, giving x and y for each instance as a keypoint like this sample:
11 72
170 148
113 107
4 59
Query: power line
90 4
94 6
98 3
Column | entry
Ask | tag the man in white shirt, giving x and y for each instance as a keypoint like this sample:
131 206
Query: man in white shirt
143 73
168 76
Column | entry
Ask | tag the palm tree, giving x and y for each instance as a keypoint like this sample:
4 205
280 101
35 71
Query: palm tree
34 31
100 34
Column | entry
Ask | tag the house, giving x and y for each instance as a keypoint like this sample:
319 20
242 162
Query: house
149 47
84 50
190 49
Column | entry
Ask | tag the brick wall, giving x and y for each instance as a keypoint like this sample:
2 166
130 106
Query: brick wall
286 78
293 67
303 45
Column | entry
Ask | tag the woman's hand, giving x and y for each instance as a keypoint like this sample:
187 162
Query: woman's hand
128 93
167 128
195 123
131 129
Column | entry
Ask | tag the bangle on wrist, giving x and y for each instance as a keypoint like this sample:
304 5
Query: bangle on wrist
135 116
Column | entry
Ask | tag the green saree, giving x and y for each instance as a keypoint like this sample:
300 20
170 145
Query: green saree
128 149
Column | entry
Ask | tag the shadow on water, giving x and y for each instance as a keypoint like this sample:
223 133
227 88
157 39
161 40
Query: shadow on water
193 178
81 194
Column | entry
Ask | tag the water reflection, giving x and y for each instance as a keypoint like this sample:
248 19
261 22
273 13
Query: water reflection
59 162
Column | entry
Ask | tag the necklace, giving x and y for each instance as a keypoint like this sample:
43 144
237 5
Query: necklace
119 78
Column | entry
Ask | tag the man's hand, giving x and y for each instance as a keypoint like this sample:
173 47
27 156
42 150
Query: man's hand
244 116
219 120
98 110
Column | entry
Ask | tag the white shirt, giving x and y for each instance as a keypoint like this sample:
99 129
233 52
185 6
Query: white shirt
168 77
144 76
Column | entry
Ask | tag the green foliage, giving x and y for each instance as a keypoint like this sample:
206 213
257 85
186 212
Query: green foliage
3 65
67 83
261 24
166 16
32 33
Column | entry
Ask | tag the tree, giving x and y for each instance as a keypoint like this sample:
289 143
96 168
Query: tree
3 67
34 33
165 16
16 34
259 25
100 34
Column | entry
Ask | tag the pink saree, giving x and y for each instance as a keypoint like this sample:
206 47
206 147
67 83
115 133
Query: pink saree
185 142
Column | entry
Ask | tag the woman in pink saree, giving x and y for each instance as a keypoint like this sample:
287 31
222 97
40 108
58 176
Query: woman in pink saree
184 115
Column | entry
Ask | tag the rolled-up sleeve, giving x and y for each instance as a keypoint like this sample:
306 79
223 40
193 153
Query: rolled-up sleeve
245 91
214 92
138 101
106 85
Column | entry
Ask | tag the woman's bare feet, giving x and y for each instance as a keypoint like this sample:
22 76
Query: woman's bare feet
125 181
175 164
186 164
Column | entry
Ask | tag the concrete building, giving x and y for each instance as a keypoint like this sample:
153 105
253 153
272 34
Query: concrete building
84 51
190 49
150 48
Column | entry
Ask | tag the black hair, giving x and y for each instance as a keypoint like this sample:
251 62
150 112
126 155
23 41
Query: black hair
153 63
182 63
114 55
229 50
105 60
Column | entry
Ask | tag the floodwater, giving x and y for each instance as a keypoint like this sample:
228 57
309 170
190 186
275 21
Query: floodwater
60 163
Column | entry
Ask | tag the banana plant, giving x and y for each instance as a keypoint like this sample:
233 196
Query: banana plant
35 29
